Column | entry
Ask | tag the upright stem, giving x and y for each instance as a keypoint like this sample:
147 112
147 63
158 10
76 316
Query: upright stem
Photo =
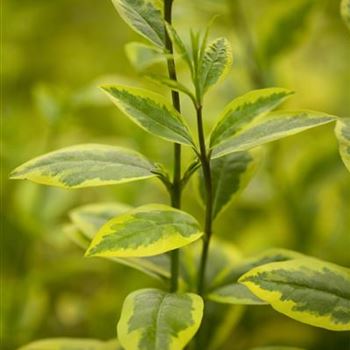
176 185
205 160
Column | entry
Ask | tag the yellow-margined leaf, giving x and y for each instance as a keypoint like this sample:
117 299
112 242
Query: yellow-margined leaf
145 231
151 112
87 221
274 126
152 319
85 166
308 290
244 109
91 217
227 289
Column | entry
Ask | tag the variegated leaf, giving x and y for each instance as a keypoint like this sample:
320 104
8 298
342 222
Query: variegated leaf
308 290
85 166
230 175
152 319
151 112
72 344
145 231
342 131
244 109
215 64
145 17
90 218
228 290
274 126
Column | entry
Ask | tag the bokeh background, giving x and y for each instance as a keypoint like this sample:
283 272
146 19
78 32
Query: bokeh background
56 54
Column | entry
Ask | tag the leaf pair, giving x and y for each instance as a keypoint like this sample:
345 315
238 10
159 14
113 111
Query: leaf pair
246 122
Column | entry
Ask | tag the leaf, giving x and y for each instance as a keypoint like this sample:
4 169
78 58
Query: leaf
90 218
286 31
342 131
230 174
244 109
148 230
142 56
216 62
308 290
144 17
228 290
274 126
151 112
85 166
345 11
155 320
72 344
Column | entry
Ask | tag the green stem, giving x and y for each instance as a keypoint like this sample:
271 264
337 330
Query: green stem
205 160
176 188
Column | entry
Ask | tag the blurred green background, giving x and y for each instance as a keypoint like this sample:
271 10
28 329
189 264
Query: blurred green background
57 52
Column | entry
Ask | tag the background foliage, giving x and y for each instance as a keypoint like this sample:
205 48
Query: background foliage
58 52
